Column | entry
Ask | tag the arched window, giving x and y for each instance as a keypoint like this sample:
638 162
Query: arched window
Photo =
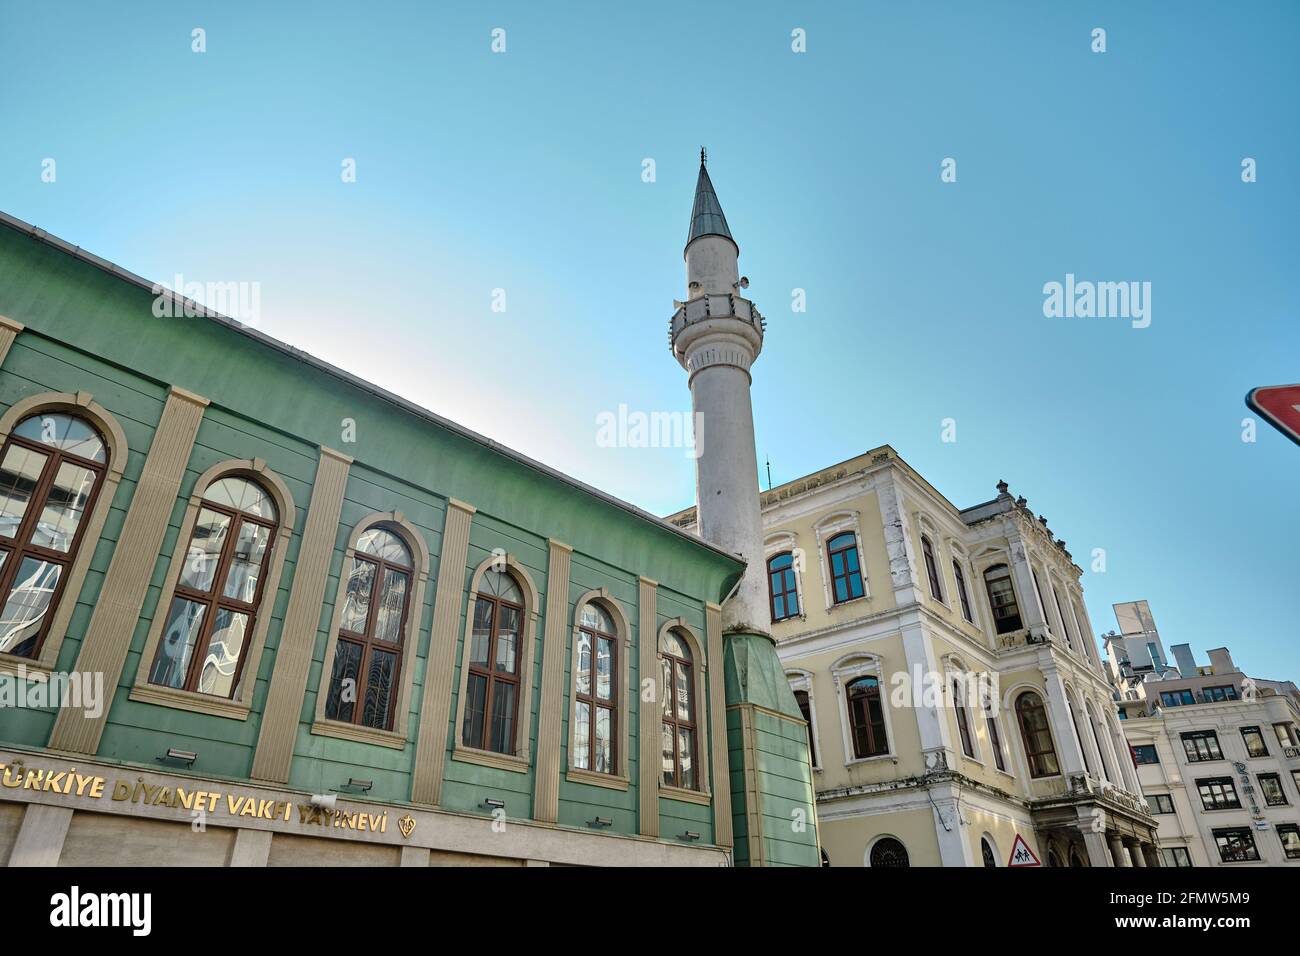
963 724
51 470
782 587
218 591
493 686
888 852
931 568
986 851
846 570
595 707
995 738
1002 599
866 718
961 592
678 730
372 628
1037 735
805 707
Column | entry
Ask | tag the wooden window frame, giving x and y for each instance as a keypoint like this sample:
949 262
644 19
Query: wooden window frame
786 593
1003 570
368 641
215 601
848 575
594 701
669 715
493 677
995 738
964 733
1035 755
962 595
21 545
875 748
238 706
931 568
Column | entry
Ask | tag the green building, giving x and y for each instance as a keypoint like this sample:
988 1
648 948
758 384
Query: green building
261 612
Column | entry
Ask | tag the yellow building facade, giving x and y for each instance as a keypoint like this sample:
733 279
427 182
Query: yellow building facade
958 709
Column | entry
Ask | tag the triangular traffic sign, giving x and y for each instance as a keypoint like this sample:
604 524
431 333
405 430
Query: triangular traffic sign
1021 855
1280 406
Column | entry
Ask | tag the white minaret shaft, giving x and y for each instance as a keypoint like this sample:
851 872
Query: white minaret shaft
716 336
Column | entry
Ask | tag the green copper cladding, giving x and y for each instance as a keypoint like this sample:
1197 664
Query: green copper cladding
706 214
772 789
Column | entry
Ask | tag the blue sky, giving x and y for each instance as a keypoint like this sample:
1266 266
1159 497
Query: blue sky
522 171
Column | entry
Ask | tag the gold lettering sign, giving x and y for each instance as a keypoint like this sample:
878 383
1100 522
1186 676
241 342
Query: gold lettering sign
70 782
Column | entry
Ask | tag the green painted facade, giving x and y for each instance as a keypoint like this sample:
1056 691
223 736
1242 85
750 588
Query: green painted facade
89 330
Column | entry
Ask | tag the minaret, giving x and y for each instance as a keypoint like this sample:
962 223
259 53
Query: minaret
716 336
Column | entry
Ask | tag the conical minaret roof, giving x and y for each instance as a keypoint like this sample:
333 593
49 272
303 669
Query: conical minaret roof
706 215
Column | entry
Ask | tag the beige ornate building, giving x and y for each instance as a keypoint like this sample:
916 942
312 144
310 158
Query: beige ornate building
956 701
1218 753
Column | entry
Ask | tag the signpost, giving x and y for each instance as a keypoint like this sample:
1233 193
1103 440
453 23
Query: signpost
1280 406
1021 855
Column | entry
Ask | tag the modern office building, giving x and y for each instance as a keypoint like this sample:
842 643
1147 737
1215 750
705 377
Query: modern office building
1217 752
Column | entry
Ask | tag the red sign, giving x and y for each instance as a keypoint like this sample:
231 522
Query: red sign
1280 405
1021 855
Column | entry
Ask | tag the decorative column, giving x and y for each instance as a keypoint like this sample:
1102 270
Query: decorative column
1058 714
435 709
1032 614
550 712
1117 851
283 711
647 636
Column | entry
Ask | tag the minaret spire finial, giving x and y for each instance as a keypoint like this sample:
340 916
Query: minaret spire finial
704 156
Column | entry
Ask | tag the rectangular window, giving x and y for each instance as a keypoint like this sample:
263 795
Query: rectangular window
1289 834
1144 754
1216 694
1295 778
1177 698
1286 735
1177 856
1270 785
1236 845
1218 793
1202 745
1255 746
1161 803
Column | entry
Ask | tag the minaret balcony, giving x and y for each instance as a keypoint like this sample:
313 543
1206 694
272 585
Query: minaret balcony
711 317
